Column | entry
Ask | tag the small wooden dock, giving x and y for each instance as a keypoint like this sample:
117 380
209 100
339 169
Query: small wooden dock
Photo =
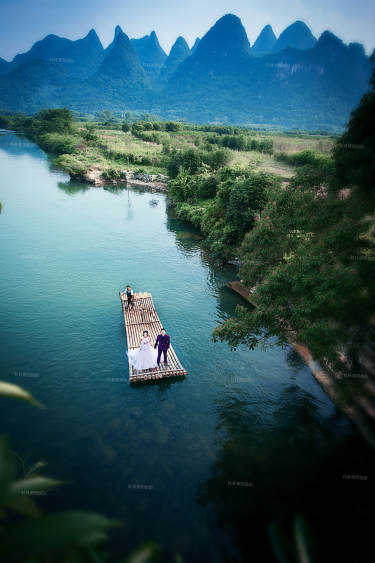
247 294
143 316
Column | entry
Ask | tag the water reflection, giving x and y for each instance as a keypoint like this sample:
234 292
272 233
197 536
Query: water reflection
115 189
163 384
72 187
129 208
19 146
257 479
188 239
294 360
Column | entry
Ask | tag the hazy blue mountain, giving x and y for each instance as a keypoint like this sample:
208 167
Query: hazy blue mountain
48 47
264 43
194 47
83 56
35 78
212 71
315 88
4 65
221 81
178 53
332 47
122 63
297 36
150 54
225 41
119 83
358 48
33 85
117 31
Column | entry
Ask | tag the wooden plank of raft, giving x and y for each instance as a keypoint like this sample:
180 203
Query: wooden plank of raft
143 316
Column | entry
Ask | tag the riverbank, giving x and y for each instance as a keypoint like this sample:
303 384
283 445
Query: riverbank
129 178
146 146
359 407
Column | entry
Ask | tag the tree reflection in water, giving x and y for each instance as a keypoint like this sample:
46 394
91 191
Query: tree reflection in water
300 476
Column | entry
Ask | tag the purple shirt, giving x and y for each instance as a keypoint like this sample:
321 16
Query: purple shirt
163 342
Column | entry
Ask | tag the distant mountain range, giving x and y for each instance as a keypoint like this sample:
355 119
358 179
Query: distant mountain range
293 81
151 55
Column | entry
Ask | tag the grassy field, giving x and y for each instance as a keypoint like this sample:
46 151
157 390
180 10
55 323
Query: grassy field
106 149
112 148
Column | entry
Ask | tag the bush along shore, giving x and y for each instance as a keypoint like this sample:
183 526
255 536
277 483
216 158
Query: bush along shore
296 213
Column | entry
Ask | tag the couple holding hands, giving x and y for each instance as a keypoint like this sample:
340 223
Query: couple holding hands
146 356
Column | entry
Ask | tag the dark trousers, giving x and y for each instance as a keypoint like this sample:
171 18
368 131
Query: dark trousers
159 355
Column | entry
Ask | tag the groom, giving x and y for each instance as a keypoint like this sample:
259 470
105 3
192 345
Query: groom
162 342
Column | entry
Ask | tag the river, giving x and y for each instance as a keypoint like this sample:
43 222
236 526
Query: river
201 465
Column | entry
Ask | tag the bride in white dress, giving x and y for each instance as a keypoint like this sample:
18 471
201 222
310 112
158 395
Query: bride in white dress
144 357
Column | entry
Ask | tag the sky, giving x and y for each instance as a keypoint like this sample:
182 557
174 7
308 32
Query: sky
22 22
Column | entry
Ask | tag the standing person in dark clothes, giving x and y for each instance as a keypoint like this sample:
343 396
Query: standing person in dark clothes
130 296
163 342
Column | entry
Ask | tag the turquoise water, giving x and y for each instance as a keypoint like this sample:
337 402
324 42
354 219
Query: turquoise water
255 417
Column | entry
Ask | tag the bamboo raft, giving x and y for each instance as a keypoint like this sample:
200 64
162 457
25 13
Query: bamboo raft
143 316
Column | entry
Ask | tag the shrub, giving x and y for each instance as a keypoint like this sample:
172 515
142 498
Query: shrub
55 120
5 122
217 159
89 133
190 160
57 143
303 158
172 126
71 165
112 173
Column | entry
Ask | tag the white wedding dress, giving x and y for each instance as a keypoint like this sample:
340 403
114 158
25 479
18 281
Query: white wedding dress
144 357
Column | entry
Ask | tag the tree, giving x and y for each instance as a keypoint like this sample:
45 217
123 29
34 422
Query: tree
245 199
190 160
222 204
172 126
218 159
310 254
58 120
4 122
106 116
355 152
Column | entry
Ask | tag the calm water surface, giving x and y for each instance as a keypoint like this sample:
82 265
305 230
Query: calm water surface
253 417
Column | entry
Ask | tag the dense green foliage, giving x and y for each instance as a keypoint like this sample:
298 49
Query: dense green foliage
59 120
52 128
307 157
192 160
112 174
311 254
242 143
355 152
222 204
57 144
71 165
